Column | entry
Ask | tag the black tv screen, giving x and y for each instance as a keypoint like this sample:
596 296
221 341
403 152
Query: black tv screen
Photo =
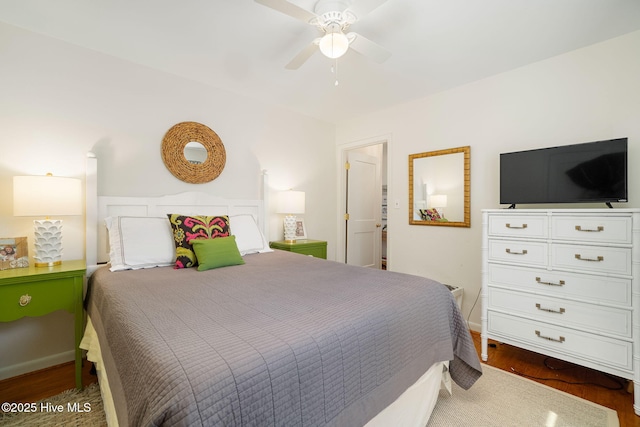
579 173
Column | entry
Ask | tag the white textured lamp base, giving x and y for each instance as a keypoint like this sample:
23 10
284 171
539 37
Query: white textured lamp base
48 243
290 228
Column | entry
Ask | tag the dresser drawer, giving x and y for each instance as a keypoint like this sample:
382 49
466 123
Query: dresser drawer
583 345
596 318
522 226
597 259
518 252
616 230
45 297
579 286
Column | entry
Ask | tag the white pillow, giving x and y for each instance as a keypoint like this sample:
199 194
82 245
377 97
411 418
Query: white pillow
249 238
140 242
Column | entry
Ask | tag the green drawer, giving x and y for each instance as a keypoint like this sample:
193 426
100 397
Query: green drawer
45 297
315 248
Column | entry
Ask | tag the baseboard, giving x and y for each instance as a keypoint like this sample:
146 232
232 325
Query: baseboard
476 327
36 364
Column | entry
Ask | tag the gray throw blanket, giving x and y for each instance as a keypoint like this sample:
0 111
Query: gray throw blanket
283 340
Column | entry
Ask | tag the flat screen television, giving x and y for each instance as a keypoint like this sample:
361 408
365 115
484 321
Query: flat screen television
592 172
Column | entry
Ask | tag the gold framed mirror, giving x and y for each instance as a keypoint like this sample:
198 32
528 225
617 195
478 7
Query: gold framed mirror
439 185
193 153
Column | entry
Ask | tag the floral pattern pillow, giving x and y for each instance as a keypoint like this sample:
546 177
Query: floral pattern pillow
430 215
188 228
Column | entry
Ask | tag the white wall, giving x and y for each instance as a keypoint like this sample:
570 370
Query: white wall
59 101
586 95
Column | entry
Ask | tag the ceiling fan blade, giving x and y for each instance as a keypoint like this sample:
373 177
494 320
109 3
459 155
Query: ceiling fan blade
362 7
368 48
303 56
288 9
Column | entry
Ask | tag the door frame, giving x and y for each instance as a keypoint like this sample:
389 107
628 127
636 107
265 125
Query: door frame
341 155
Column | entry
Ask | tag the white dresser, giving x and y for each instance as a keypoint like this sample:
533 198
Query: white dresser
564 283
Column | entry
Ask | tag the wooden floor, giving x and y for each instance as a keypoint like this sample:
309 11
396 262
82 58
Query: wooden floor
48 382
582 382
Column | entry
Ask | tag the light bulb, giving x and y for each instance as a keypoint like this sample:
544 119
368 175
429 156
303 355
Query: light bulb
334 45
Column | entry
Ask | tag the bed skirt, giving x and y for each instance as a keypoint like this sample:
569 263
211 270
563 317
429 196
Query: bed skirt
91 343
412 409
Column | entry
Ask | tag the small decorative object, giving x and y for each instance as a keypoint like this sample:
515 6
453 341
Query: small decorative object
47 196
13 253
193 153
301 230
291 203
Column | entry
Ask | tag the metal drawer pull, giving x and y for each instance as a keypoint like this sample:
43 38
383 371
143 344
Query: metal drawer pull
598 259
550 310
524 252
560 339
25 300
560 283
515 226
592 230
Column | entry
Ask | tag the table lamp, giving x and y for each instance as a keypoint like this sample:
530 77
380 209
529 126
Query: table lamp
290 203
47 196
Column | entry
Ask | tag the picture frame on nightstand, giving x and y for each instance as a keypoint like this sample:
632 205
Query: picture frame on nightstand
301 230
14 253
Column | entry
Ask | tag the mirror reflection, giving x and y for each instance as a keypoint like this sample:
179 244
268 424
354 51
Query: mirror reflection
439 188
195 153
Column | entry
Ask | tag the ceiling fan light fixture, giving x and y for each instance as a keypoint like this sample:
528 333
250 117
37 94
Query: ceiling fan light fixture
334 45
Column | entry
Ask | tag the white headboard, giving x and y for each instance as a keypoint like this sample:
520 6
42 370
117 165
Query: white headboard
188 203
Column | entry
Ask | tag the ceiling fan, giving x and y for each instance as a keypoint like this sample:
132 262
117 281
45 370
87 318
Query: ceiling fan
332 18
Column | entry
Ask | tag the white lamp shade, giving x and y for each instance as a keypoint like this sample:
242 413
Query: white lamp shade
46 196
291 202
334 45
438 201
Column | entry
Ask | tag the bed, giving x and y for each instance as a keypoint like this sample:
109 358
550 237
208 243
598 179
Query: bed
276 339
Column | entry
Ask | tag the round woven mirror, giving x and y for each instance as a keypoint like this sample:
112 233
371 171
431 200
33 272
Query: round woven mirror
181 165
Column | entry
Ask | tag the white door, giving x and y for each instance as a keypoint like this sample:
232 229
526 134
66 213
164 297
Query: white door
364 212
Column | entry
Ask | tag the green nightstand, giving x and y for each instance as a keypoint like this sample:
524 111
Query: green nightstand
36 291
316 248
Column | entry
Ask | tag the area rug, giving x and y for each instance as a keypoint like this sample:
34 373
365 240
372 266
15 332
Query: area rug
69 408
504 399
497 399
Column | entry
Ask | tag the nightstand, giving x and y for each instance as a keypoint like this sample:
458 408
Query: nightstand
36 291
316 248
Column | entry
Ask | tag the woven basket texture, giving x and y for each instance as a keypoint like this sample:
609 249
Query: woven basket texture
174 142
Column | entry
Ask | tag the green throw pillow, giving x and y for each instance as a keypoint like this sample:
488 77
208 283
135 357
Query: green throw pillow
187 228
218 252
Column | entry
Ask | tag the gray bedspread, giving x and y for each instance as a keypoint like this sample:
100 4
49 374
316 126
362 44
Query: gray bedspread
283 340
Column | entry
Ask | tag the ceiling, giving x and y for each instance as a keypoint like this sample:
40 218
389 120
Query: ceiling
243 47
